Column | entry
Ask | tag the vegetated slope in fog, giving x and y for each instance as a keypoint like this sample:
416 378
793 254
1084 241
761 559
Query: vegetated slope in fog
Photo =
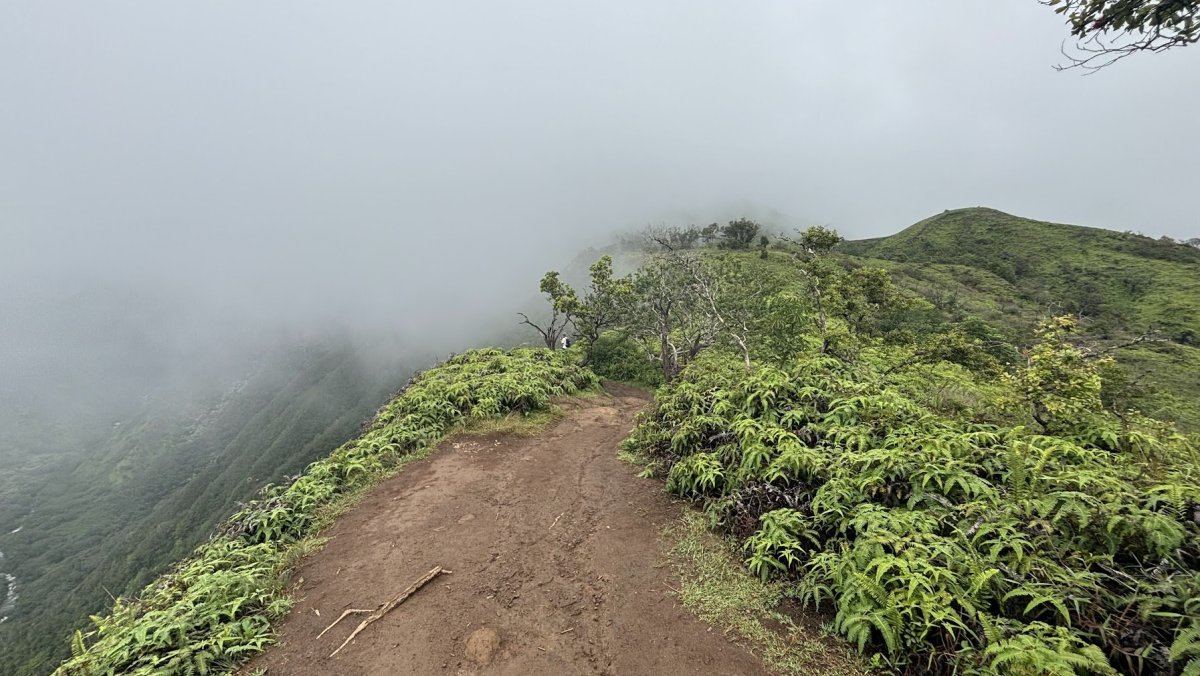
76 361
139 438
133 416
1012 271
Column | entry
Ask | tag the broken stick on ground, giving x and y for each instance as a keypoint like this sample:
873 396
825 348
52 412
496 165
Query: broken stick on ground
383 609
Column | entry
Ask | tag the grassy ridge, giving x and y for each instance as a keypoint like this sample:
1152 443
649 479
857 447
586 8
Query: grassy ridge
1013 272
978 497
216 607
1125 282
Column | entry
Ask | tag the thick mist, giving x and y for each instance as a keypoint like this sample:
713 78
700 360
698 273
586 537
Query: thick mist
178 181
391 163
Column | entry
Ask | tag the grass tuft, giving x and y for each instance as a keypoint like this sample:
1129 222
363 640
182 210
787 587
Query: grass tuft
516 424
716 587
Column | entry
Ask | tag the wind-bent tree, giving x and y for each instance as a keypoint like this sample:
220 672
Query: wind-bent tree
819 240
564 305
733 298
604 303
666 312
670 238
739 234
821 275
1110 30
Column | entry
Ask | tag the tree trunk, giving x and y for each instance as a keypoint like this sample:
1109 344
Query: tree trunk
745 350
666 351
667 356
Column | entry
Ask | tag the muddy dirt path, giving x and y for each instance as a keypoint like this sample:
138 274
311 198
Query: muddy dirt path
556 559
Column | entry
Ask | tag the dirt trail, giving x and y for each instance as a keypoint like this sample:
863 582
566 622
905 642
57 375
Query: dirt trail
557 562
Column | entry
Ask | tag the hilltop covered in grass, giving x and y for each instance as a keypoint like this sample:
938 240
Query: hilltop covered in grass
1123 282
1138 296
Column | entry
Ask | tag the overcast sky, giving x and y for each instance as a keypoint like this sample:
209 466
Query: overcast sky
320 156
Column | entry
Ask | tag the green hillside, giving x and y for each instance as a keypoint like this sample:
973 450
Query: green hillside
1122 282
1013 271
110 520
919 446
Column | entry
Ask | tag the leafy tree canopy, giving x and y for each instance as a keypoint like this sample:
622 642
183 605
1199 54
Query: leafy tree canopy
1110 30
740 234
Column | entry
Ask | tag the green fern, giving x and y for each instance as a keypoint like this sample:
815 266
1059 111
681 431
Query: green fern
956 545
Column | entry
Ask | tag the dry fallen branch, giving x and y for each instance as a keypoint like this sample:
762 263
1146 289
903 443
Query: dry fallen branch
383 609
341 617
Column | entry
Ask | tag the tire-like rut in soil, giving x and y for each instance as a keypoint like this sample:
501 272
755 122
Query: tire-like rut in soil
557 565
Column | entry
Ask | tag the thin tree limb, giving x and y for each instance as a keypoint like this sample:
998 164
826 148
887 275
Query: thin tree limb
351 611
387 607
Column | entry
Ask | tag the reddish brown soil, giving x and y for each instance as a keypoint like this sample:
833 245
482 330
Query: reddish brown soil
556 558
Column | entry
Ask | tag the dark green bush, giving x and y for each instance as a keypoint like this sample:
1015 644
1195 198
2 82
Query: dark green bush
963 542
618 357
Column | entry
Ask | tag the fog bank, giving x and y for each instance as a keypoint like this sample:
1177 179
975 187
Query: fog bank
418 166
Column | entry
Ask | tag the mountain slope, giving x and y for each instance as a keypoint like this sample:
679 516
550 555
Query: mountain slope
1013 271
147 493
810 428
1122 281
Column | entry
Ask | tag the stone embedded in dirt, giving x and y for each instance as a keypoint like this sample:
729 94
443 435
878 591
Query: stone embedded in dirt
466 518
482 645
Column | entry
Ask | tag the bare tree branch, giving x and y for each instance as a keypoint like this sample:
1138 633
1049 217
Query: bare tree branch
1110 30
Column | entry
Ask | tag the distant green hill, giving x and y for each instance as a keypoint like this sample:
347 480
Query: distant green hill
1010 271
1126 282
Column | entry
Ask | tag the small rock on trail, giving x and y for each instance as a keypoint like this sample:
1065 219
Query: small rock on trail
482 645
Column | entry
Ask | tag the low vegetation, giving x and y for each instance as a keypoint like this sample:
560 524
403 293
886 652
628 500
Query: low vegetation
962 495
942 523
216 608
716 587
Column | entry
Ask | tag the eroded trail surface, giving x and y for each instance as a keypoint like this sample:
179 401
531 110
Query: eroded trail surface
556 559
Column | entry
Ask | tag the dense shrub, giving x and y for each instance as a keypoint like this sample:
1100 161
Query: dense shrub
216 608
618 357
963 538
